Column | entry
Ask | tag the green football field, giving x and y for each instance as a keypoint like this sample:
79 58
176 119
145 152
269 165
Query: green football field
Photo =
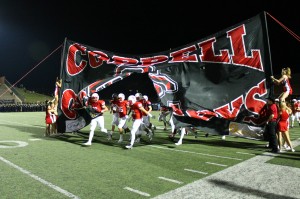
34 166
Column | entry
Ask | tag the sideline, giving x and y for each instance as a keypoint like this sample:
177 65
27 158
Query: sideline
22 124
251 179
49 184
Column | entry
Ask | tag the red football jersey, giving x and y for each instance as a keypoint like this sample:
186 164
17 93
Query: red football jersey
146 105
113 104
136 112
98 106
122 108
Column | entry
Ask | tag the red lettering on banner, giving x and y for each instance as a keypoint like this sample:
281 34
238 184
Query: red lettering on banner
239 50
158 89
255 105
183 55
123 61
205 115
228 112
208 54
94 85
73 51
150 61
252 104
68 98
96 58
168 85
76 53
238 57
176 109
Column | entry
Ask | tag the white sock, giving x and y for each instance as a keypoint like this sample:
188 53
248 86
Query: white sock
91 136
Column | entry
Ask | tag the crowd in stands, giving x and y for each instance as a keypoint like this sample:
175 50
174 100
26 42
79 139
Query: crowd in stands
24 107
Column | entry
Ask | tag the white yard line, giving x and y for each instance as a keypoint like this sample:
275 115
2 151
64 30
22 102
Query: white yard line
212 163
196 171
137 191
170 180
49 184
245 153
204 154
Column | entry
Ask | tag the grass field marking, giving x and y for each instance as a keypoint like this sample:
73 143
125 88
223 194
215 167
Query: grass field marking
35 139
66 193
5 122
212 163
137 191
245 153
159 127
20 144
170 180
196 171
205 154
31 116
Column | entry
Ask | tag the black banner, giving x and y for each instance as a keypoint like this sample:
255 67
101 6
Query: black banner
209 83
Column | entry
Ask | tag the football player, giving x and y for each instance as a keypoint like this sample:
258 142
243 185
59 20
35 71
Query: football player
96 108
136 110
115 114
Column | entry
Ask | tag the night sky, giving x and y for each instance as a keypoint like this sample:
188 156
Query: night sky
31 30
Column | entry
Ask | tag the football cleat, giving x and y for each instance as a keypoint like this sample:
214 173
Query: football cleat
178 143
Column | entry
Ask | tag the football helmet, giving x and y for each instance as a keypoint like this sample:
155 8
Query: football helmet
145 97
131 99
138 96
114 96
95 97
121 96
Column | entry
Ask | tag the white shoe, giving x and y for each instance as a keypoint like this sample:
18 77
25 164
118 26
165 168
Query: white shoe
87 144
293 150
129 147
223 137
287 147
178 143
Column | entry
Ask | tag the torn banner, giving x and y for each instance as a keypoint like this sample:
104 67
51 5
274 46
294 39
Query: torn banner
209 83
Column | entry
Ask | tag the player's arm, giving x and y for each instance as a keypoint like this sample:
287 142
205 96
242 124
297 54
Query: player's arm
104 108
146 112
